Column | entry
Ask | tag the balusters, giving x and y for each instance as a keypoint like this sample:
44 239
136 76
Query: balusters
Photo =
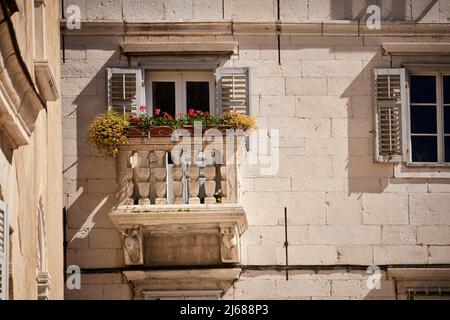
142 178
177 185
160 174
210 184
223 181
194 186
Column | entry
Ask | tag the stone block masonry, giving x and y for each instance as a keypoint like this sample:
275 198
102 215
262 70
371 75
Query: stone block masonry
343 208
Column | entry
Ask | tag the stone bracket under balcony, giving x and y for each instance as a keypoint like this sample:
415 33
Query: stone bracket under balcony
181 284
186 234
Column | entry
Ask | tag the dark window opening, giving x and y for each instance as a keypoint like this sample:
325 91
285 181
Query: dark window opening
197 95
164 97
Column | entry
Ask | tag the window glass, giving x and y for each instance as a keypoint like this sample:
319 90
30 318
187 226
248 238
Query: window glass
423 119
164 96
447 149
197 95
447 89
424 148
447 119
423 89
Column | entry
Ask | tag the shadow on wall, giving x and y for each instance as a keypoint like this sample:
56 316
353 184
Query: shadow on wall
6 155
363 173
90 177
398 10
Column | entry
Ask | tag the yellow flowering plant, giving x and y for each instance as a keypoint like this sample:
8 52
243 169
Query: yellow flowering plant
239 121
106 133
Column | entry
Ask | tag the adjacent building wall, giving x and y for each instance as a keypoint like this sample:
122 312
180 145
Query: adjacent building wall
32 173
343 208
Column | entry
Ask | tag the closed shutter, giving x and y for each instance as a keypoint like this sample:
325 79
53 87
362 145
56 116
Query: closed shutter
391 101
232 90
4 232
125 90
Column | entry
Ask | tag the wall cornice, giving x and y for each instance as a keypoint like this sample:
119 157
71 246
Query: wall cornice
230 28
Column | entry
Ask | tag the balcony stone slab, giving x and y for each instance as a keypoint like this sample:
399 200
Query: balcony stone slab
162 235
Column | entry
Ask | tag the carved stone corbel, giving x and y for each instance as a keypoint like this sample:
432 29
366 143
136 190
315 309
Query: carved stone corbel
133 247
229 243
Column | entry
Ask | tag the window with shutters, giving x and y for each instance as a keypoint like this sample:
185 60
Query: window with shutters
390 109
233 90
217 92
4 261
125 90
412 116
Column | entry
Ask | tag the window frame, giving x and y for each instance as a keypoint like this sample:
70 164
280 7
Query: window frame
439 75
180 78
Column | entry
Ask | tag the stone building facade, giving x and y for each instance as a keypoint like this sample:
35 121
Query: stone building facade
358 195
31 226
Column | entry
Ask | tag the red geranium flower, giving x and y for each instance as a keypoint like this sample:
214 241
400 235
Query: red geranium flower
157 112
143 108
192 113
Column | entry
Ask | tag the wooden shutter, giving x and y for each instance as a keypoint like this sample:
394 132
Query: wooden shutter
391 100
232 90
125 90
4 261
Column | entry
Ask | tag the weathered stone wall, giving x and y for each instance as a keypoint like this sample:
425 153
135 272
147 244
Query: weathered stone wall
261 10
343 208
34 171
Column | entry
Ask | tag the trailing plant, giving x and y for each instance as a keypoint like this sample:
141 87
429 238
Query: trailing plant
239 121
107 132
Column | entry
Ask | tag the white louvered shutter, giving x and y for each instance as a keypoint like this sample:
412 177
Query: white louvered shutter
125 90
4 233
232 90
391 101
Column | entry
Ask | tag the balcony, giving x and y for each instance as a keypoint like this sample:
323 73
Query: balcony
169 210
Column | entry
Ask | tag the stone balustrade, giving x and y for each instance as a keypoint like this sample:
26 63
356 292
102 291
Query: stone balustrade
179 170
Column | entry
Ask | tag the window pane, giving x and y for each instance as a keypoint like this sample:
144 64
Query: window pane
164 96
447 119
423 119
447 89
447 149
197 95
423 89
424 149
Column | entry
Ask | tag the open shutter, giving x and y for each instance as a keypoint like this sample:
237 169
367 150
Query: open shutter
125 90
232 90
391 101
4 261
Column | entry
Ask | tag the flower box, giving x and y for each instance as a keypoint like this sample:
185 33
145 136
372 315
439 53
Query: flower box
166 131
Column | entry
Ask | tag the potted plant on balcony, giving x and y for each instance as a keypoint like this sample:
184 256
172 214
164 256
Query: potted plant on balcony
143 126
106 133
